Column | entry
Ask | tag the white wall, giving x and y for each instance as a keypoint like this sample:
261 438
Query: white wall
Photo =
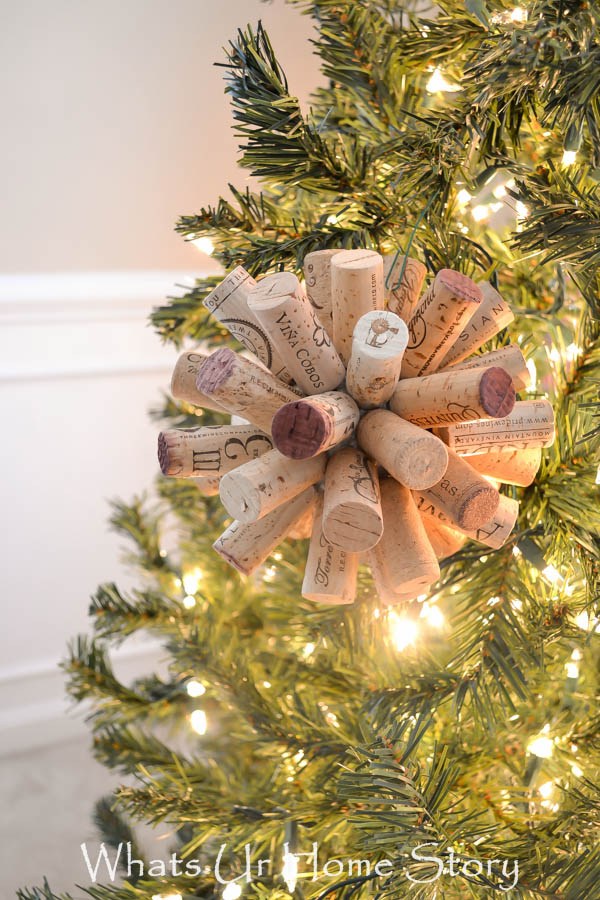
114 121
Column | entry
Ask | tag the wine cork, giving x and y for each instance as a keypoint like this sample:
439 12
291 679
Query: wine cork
463 495
509 358
378 342
403 279
317 276
404 557
303 529
493 533
330 572
530 426
183 381
357 288
386 594
492 315
258 487
242 387
228 303
412 456
246 547
208 487
440 316
282 308
352 516
210 450
449 397
508 466
444 540
304 428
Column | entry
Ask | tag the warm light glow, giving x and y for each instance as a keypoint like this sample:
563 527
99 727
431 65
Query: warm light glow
541 746
289 873
573 352
553 575
308 649
438 84
576 654
583 621
522 210
403 631
191 580
516 551
576 770
572 670
232 891
204 245
332 220
463 197
270 574
433 616
518 14
598 475
569 157
198 721
195 689
480 212
189 602
546 790
267 684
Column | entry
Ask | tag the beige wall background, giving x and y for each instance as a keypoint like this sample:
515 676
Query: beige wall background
114 122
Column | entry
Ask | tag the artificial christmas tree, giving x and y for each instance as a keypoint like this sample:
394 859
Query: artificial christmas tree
449 748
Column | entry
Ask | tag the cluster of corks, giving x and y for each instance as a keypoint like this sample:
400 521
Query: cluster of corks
360 419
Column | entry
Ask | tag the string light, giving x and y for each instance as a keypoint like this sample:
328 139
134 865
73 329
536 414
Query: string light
569 157
480 212
518 14
542 745
438 84
289 873
195 688
532 374
573 352
576 770
189 602
270 574
403 631
204 245
463 197
308 649
191 580
198 721
553 575
432 615
232 891
572 670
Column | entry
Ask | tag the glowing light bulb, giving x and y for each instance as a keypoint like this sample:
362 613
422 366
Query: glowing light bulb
541 746
481 212
308 649
204 245
195 688
232 891
576 770
189 602
191 580
438 84
546 790
198 721
572 670
433 616
569 157
576 654
553 575
270 574
403 631
289 873
518 14
332 220
573 352
463 197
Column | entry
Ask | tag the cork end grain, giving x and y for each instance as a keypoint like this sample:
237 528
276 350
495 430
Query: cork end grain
215 370
478 508
496 392
460 285
164 460
300 430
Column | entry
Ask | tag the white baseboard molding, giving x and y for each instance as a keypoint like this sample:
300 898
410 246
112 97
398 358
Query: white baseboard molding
34 709
84 323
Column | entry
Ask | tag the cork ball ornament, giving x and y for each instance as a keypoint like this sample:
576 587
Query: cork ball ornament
364 419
